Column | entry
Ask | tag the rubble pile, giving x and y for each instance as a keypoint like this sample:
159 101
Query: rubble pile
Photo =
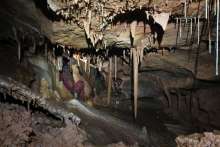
206 139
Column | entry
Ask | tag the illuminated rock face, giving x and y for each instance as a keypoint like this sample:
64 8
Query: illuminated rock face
63 22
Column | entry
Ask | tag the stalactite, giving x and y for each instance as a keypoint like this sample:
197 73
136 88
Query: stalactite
209 33
89 64
115 67
135 77
45 50
87 28
217 39
180 29
34 45
85 64
18 43
100 65
131 54
195 20
105 44
107 52
206 9
141 54
133 29
102 10
124 56
177 21
59 63
78 60
19 50
109 81
147 15
92 38
28 106
185 9
75 1
4 95
191 26
162 19
215 6
198 30
89 17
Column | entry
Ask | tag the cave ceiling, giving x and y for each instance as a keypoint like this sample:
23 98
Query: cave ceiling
86 23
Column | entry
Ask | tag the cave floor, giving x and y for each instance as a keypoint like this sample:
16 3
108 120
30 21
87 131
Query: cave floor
103 124
150 117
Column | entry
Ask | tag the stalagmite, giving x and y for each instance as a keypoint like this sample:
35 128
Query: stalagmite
109 81
135 74
217 32
198 30
115 67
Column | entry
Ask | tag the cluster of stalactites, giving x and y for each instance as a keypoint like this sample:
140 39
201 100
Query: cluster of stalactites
81 12
28 38
87 60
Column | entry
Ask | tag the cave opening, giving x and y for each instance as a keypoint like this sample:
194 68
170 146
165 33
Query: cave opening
109 73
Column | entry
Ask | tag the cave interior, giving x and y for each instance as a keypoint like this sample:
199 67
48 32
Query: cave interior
109 73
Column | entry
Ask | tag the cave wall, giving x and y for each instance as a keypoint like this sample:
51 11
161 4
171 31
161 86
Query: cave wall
25 16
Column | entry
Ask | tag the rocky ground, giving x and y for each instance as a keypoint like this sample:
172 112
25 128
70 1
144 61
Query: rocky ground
20 127
206 139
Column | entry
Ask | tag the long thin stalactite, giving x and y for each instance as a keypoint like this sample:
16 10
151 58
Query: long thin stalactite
109 81
135 74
